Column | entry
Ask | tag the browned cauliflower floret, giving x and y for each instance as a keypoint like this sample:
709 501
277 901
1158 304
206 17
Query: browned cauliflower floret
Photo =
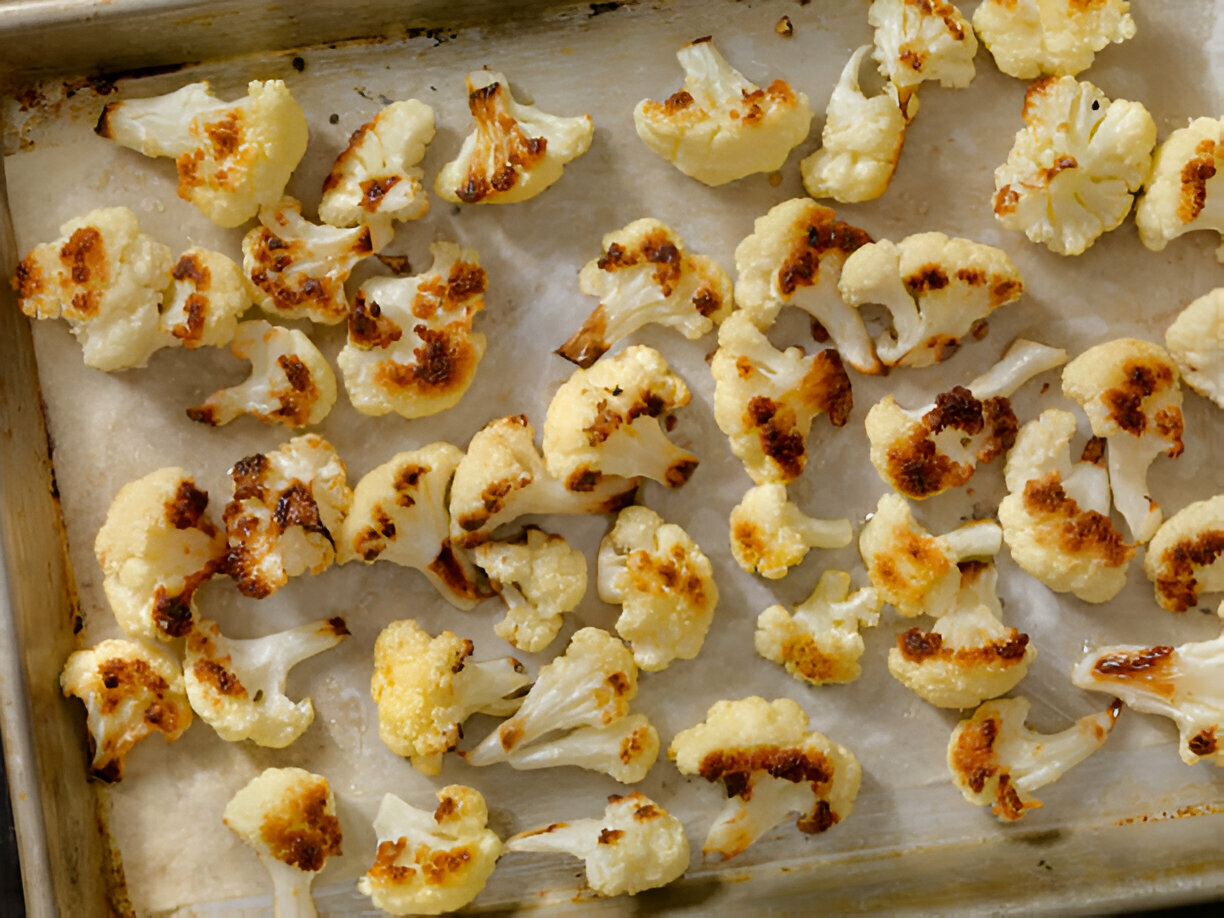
1030 37
770 534
207 295
920 40
1184 190
1186 555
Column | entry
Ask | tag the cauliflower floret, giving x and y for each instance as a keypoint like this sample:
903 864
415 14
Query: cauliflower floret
514 152
771 766
913 570
1074 169
156 547
291 382
794 257
1129 390
1027 38
937 289
376 177
288 815
428 864
765 399
605 421
860 142
425 688
129 690
637 845
399 514
298 268
207 295
585 693
720 126
645 275
1196 341
1186 555
920 40
820 643
925 451
237 686
1055 516
232 157
540 578
285 507
997 761
502 477
1181 683
664 584
105 278
410 345
770 534
1182 193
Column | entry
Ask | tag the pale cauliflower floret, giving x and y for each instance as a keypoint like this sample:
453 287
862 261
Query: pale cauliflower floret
765 399
291 382
1030 37
1186 555
129 690
207 295
1073 170
1196 341
376 177
297 268
606 421
770 534
156 547
997 761
411 348
645 275
1055 516
920 40
502 477
286 506
425 688
794 257
860 142
820 643
1181 683
772 766
105 278
232 157
1129 390
514 152
237 686
720 126
540 578
911 569
288 815
1183 191
428 864
936 288
664 584
399 514
584 695
636 845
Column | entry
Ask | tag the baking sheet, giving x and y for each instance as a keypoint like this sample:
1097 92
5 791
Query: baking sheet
165 815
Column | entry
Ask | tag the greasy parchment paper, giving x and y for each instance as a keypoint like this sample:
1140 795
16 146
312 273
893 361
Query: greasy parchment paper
165 817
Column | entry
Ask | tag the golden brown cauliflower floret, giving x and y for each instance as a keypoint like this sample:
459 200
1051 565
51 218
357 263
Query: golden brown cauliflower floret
1030 37
207 295
1184 558
1195 340
770 534
1184 190
920 40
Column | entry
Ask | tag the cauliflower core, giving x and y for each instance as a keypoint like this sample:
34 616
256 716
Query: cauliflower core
1183 192
1196 342
920 40
770 534
1027 38
1186 555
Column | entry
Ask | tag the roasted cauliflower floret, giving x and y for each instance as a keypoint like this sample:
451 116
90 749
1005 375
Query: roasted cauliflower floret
428 864
1027 38
232 157
129 690
663 583
1129 390
540 578
207 295
1186 555
771 766
1075 167
720 126
1196 342
770 534
636 845
820 643
920 40
514 152
105 278
1183 192
997 761
426 687
288 815
645 275
765 399
606 421
411 348
936 288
